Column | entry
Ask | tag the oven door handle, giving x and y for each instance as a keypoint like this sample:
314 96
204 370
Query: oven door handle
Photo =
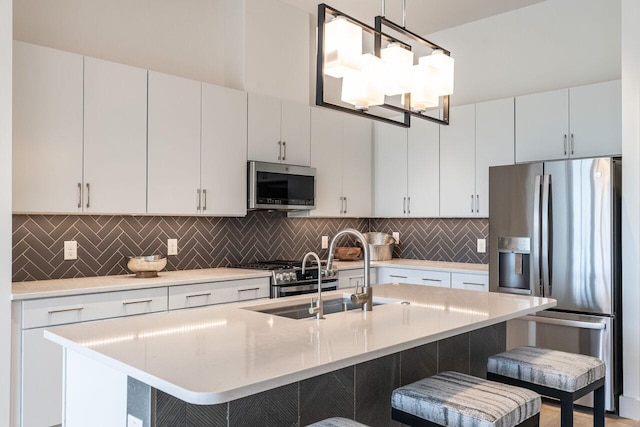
562 322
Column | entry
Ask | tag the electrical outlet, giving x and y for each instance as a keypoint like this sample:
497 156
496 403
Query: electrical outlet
70 250
172 247
133 421
325 242
396 235
482 246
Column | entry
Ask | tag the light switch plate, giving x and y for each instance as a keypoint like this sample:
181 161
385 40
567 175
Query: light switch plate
324 242
396 235
172 246
482 246
70 250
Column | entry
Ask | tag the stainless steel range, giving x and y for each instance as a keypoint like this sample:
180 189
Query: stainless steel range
287 278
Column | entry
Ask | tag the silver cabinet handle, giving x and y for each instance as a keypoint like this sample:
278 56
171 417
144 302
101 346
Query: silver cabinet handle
139 301
64 310
571 144
248 289
198 199
204 196
477 203
284 147
472 203
404 205
397 277
88 195
473 283
345 205
79 195
203 294
535 238
426 279
279 150
341 205
565 144
409 205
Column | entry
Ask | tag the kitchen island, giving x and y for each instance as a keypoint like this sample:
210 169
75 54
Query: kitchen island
230 363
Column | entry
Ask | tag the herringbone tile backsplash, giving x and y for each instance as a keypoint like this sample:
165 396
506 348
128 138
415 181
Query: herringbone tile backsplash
203 242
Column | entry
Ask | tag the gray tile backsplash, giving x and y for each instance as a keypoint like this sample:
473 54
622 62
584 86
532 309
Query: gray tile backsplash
204 242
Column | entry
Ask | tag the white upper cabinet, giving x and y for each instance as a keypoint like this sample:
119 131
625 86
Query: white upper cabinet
595 119
115 138
47 130
278 131
390 171
458 164
223 158
584 121
341 153
423 169
494 145
173 145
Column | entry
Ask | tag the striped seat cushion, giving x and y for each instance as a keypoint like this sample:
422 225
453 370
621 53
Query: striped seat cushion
337 422
550 368
455 399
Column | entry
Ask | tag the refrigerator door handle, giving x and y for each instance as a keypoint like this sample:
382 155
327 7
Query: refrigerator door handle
535 247
545 236
561 322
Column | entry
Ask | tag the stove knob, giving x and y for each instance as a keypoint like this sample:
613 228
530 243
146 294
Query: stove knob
279 277
292 277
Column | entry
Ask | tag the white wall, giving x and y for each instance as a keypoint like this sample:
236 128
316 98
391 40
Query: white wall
5 207
630 401
549 45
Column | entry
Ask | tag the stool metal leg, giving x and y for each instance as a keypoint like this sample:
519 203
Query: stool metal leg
566 412
598 407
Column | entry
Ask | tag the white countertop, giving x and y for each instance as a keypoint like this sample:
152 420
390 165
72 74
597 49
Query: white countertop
88 285
220 353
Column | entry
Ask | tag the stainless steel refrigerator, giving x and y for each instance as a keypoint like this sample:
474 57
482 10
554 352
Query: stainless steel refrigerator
554 231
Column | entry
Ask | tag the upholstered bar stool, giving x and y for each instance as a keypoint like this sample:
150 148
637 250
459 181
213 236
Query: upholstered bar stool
455 399
337 422
564 376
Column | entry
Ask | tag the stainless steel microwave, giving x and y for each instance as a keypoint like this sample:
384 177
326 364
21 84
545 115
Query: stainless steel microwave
275 186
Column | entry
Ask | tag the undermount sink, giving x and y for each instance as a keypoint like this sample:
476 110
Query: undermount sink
299 310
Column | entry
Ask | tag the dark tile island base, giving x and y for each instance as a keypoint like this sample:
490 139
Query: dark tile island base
361 392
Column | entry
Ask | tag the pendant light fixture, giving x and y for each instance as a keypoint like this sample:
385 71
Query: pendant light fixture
381 77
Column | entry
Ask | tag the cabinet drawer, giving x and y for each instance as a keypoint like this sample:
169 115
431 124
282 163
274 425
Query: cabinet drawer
416 277
475 282
200 294
82 308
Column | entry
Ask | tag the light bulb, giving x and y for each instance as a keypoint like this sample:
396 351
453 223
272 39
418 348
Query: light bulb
366 88
440 71
398 62
342 47
423 95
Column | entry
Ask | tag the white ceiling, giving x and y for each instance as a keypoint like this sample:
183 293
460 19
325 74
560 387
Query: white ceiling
423 16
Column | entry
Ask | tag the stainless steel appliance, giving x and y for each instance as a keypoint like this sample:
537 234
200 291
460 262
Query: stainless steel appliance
287 278
554 231
275 186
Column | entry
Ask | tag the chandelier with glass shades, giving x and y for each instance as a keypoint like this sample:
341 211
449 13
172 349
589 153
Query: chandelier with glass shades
384 72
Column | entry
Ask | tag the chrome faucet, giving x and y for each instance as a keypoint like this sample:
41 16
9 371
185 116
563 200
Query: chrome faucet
366 296
318 310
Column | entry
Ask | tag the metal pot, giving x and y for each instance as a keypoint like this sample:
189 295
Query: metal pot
381 246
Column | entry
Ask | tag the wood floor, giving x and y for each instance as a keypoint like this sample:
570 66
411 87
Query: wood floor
550 417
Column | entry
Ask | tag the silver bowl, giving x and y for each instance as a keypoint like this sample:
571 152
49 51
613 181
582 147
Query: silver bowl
146 266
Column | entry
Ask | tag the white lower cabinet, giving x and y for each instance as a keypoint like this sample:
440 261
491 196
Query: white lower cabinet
353 278
41 359
470 281
201 294
414 276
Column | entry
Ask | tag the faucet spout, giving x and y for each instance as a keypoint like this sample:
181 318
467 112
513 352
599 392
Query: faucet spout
318 310
366 296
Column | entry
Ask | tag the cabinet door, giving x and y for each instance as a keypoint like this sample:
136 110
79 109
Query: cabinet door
115 138
263 128
595 119
295 133
326 150
47 130
224 151
423 169
542 126
494 145
41 380
390 171
174 145
457 164
356 166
